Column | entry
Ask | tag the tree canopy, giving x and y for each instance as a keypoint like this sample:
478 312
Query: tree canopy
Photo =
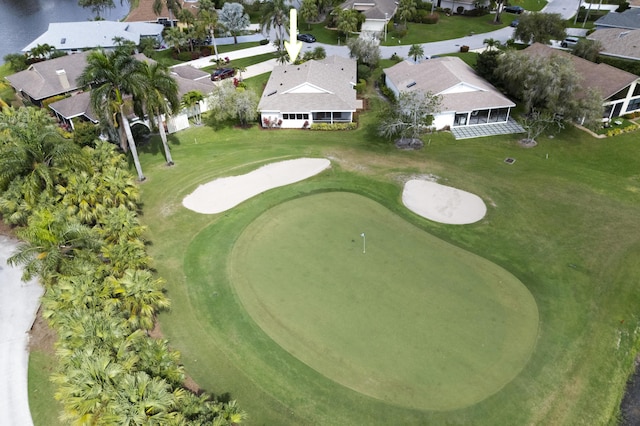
233 19
540 27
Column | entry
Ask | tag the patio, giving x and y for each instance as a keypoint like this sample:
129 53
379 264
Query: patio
468 132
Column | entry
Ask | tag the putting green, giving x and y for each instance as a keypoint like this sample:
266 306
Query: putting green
414 321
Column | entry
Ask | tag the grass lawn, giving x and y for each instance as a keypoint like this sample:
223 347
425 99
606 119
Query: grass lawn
560 220
445 328
243 62
44 409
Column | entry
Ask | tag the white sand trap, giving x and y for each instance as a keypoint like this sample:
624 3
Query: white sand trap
442 203
222 194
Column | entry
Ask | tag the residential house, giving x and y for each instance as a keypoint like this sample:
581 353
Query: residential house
460 6
629 19
620 90
74 37
297 96
377 14
618 42
59 76
144 12
45 79
467 99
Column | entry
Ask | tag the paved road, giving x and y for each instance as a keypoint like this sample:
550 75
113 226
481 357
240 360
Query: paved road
18 306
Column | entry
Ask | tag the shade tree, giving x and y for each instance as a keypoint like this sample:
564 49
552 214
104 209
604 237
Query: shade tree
538 27
233 19
410 116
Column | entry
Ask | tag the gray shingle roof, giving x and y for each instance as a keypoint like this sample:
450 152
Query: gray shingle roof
458 84
90 34
189 72
74 106
606 79
42 80
326 85
618 42
372 9
629 19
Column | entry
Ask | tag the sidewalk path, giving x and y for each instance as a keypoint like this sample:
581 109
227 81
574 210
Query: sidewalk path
18 306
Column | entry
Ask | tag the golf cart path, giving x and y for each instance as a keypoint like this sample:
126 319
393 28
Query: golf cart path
18 306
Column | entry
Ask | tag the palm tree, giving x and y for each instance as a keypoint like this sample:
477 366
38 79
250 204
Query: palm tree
52 241
347 21
207 14
416 51
173 6
175 38
160 97
275 14
33 149
191 100
491 43
114 76
141 296
406 10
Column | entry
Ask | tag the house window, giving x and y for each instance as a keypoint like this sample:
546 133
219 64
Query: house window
634 104
298 116
636 91
285 116
460 119
620 95
305 116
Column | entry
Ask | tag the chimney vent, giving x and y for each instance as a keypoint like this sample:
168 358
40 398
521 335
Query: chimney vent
64 81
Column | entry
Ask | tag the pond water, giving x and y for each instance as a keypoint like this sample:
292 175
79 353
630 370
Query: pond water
25 20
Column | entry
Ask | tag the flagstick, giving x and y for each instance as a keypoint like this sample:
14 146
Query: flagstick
364 243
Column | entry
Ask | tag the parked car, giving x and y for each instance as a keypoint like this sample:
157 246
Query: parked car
569 42
514 9
515 23
307 38
222 73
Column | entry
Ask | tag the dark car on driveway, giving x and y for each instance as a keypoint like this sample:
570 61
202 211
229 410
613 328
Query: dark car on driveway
514 9
222 73
307 38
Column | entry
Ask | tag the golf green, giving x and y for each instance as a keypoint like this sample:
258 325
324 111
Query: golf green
406 318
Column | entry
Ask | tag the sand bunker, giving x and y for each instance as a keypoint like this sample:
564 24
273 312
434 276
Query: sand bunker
442 203
222 194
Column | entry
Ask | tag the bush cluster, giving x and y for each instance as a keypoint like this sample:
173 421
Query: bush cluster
334 126
621 130
76 211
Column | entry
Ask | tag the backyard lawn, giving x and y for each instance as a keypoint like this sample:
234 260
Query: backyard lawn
560 221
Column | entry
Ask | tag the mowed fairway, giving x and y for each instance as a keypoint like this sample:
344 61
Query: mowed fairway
414 321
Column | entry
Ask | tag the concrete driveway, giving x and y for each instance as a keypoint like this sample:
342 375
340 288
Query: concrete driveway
18 306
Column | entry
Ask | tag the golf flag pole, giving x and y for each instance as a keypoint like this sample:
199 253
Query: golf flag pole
364 243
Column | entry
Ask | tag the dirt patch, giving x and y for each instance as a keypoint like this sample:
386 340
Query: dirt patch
6 230
527 143
630 405
409 143
42 338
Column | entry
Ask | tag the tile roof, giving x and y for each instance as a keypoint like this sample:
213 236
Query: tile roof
42 80
606 79
144 11
618 42
629 19
326 85
458 84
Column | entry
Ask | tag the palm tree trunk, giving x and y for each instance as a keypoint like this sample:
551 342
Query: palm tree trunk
163 136
132 144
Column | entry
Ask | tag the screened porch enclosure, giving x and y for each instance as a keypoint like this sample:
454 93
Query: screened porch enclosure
332 116
483 116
